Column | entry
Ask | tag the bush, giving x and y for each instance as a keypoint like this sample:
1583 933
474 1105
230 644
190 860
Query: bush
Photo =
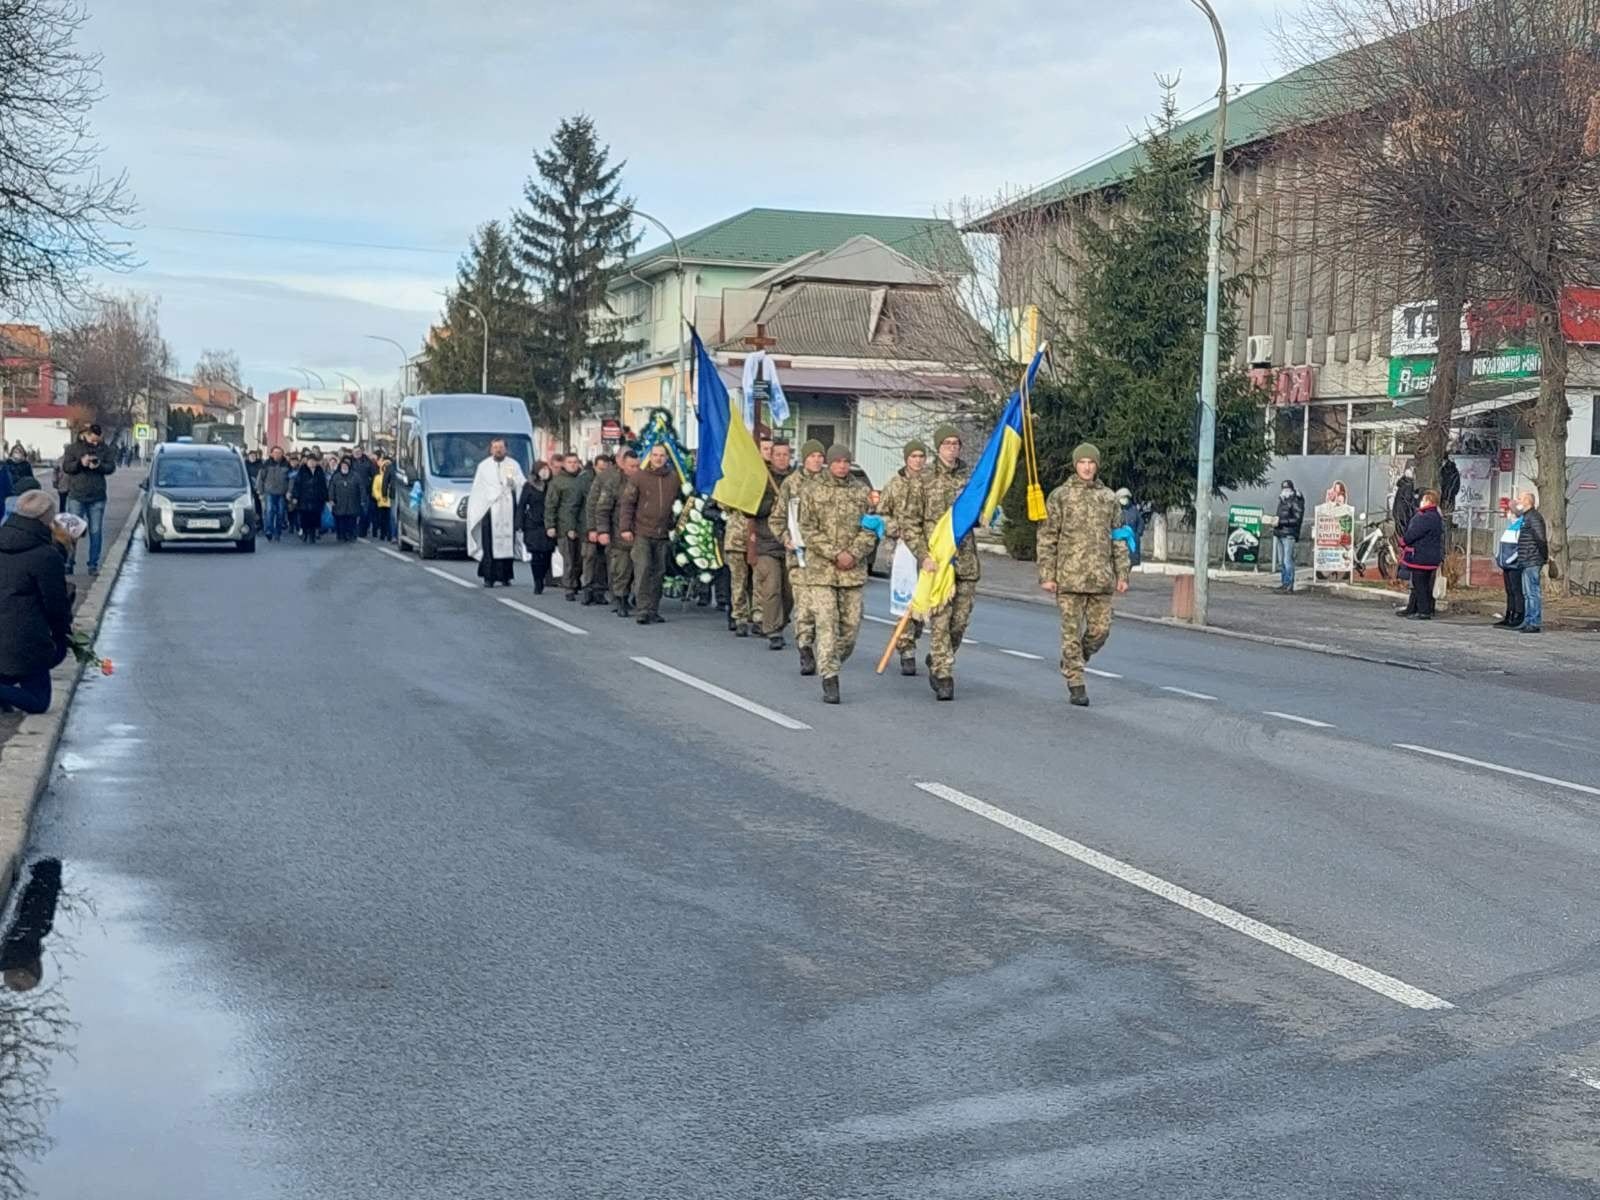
1019 534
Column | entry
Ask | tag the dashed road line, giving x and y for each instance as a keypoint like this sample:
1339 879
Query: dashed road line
1178 691
723 694
1586 1079
455 579
1023 654
882 620
564 626
1100 673
395 554
1307 952
1283 716
1489 766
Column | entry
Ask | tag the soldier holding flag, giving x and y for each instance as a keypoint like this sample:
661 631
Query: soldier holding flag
936 491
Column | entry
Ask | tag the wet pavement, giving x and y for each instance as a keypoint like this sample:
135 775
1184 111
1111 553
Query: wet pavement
375 887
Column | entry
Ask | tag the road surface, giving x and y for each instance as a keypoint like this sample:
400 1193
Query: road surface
381 886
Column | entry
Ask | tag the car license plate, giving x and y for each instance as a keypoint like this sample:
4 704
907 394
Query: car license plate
205 523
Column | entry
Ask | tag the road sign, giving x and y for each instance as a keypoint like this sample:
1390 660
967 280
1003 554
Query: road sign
143 432
610 430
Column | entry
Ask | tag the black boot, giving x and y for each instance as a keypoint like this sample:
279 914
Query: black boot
742 631
908 664
642 619
830 690
944 688
572 595
808 666
732 624
775 642
1078 695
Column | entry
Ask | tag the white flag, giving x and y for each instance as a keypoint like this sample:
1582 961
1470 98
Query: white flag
902 580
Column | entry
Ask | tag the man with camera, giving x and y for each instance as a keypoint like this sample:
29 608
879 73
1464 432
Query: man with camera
87 463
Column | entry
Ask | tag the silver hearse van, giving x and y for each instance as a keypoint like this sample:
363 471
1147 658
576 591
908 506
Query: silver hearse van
439 442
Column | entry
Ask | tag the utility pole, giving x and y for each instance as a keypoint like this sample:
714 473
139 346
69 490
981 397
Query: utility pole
478 312
1204 474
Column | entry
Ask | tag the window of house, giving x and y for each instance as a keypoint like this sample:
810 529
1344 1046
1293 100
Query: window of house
1287 427
1329 424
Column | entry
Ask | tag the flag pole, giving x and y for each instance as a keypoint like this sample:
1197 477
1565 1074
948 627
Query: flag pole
894 639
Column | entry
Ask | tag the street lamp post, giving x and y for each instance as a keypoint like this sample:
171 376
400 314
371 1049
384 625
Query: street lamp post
1204 474
310 375
484 378
681 417
405 369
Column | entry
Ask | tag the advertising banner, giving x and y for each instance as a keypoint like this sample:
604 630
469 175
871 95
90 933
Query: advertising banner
1243 547
1335 533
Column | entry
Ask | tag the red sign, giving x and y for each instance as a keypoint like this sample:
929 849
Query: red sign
610 430
1496 322
1505 505
1292 386
1508 459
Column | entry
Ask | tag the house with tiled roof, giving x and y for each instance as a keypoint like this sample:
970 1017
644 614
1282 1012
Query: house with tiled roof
733 254
33 395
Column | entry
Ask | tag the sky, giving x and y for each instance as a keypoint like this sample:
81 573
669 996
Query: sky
309 173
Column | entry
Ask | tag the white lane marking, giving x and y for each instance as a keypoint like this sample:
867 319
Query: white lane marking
545 617
1102 674
1023 654
1377 981
966 641
882 620
1489 766
443 574
1587 1080
405 558
711 689
1186 692
1283 716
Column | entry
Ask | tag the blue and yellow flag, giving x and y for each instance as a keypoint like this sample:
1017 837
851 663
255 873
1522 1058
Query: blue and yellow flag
977 501
728 464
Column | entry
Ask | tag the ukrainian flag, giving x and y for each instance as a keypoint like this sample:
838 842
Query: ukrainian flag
977 502
728 464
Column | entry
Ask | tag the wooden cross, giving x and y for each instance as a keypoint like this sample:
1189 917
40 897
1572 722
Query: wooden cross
760 341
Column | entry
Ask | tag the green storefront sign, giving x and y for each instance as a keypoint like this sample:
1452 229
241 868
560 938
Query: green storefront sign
1412 374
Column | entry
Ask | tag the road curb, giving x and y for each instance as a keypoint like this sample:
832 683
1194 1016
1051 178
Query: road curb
1236 634
31 752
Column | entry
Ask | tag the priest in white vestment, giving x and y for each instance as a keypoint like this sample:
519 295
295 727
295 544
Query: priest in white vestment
493 537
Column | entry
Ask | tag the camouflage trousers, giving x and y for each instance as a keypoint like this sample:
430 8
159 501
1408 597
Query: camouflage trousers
1085 626
619 566
906 643
805 623
836 621
742 580
947 626
774 600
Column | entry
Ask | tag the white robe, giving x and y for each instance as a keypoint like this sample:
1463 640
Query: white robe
495 489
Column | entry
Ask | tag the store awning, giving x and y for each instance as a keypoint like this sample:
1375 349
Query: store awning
1414 416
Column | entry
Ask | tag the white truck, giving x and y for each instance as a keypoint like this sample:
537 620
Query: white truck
330 422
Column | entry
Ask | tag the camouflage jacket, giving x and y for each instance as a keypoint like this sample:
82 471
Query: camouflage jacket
935 491
894 503
792 488
1075 548
735 525
601 509
830 524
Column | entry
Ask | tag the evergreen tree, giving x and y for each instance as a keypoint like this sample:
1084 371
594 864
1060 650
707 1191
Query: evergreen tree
488 279
1132 365
570 238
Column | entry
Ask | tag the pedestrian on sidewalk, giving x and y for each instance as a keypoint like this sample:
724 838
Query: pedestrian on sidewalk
17 468
1533 552
494 534
1506 558
894 506
835 572
1290 524
273 485
1424 540
88 462
35 604
1133 521
647 518
536 537
1081 564
346 493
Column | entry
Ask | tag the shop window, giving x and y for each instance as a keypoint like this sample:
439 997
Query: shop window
1369 441
1288 427
1328 426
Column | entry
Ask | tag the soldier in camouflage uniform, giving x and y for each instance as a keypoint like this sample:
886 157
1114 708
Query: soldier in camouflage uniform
1082 564
603 492
835 573
607 508
812 457
936 490
893 506
741 611
774 600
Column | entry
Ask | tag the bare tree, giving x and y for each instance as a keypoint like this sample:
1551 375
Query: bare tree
55 206
218 368
115 359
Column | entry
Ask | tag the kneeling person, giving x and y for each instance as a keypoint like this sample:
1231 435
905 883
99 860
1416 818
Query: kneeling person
1082 564
835 571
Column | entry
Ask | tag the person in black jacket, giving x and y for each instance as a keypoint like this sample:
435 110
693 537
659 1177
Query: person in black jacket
310 491
1291 521
87 462
344 490
1533 552
35 606
1424 539
365 469
535 533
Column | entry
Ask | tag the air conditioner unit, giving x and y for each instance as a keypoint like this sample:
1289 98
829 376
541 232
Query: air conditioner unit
1258 349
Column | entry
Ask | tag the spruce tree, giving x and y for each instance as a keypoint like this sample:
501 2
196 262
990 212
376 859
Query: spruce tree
571 237
1131 368
489 279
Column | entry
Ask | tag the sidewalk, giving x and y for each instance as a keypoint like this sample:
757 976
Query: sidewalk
1555 663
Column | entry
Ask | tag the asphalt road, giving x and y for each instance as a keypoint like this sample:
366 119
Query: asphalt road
379 886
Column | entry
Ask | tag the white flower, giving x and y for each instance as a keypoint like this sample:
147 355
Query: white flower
677 507
705 576
688 488
683 560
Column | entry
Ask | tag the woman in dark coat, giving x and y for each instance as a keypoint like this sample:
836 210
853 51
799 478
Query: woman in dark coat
347 491
310 491
1424 539
35 605
535 534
